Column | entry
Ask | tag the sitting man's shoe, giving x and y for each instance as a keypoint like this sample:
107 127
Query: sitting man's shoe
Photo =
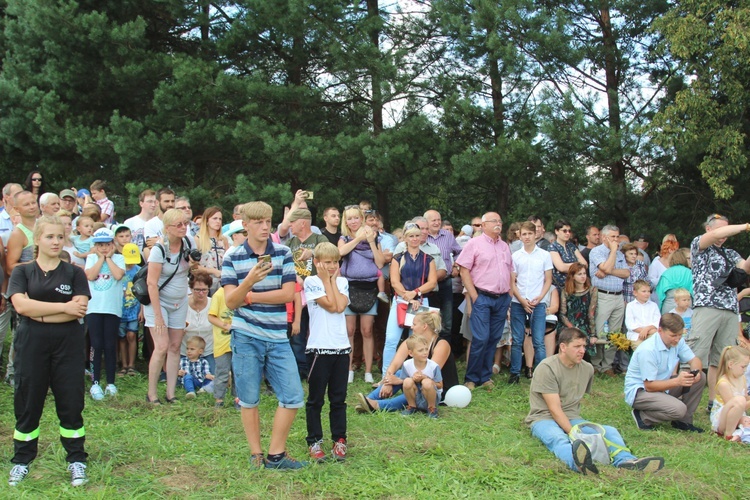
682 426
285 463
639 421
582 458
514 379
410 410
470 385
646 464
489 384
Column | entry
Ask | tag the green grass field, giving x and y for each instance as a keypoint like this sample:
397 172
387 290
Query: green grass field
191 450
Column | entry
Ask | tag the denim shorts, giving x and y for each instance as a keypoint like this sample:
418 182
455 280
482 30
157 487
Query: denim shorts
128 326
252 357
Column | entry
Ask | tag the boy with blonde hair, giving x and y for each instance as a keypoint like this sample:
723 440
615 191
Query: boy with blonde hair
194 370
327 351
423 380
641 315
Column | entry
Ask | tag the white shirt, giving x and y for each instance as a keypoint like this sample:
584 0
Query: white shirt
6 227
638 315
327 329
154 227
530 269
137 226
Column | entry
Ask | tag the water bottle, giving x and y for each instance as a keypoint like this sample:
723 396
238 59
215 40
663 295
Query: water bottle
606 329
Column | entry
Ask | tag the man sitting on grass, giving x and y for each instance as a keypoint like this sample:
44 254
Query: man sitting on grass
557 388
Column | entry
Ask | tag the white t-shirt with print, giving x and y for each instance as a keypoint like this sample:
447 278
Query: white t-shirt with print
327 329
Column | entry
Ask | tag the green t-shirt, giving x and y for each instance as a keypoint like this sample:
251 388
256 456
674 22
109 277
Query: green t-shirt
305 268
553 377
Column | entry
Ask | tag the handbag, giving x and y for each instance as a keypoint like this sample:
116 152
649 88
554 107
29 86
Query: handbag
733 277
593 435
362 296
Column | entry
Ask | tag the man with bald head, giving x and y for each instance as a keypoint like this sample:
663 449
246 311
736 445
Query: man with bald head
485 266
449 250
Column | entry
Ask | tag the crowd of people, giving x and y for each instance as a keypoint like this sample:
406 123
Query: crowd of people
251 306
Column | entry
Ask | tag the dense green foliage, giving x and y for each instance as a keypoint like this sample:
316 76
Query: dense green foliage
629 111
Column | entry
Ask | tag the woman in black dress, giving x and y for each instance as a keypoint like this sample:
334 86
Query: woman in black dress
50 297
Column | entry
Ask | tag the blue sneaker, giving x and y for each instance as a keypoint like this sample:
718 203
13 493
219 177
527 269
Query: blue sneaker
285 463
96 392
409 411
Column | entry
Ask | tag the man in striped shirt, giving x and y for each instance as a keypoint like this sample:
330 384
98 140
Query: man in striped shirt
258 288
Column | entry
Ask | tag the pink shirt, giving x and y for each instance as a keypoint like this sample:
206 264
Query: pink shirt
489 262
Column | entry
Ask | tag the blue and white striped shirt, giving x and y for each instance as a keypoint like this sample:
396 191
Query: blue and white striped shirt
261 321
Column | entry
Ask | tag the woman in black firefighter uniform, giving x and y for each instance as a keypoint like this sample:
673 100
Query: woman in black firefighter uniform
50 297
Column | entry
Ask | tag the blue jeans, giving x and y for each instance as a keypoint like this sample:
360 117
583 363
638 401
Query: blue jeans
518 328
396 402
392 336
192 384
487 321
252 357
556 441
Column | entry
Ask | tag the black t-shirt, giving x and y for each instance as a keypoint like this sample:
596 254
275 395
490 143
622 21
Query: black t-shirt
332 237
59 285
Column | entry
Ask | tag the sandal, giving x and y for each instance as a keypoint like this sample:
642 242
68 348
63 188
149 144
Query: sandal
122 372
154 402
365 403
132 371
171 400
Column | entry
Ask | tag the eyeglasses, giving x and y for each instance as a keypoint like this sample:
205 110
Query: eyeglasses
36 179
349 207
477 225
410 225
200 290
183 208
179 225
494 221
564 230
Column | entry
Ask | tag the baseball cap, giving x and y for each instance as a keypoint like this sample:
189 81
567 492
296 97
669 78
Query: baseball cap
83 192
103 235
300 213
131 254
467 230
235 227
120 227
67 193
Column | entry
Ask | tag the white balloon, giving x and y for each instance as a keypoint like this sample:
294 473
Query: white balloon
458 396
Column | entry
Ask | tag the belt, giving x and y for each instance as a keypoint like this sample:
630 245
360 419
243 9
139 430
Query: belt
488 294
609 293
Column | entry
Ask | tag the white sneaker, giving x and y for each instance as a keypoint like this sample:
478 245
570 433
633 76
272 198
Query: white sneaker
96 392
110 390
17 474
78 473
368 378
351 377
383 297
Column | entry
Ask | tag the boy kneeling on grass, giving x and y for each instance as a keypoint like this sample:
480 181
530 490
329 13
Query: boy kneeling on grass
423 380
194 370
327 351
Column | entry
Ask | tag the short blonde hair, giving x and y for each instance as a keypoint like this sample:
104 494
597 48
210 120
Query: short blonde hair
411 228
196 341
641 284
256 210
680 293
415 341
170 217
326 251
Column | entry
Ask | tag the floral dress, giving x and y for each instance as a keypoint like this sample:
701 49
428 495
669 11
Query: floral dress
579 310
568 256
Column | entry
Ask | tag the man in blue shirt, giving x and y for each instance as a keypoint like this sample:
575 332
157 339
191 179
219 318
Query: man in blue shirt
258 280
651 387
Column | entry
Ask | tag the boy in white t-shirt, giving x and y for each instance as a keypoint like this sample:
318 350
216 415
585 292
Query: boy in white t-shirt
423 380
642 316
327 351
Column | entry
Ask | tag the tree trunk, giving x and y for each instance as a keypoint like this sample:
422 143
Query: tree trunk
498 130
